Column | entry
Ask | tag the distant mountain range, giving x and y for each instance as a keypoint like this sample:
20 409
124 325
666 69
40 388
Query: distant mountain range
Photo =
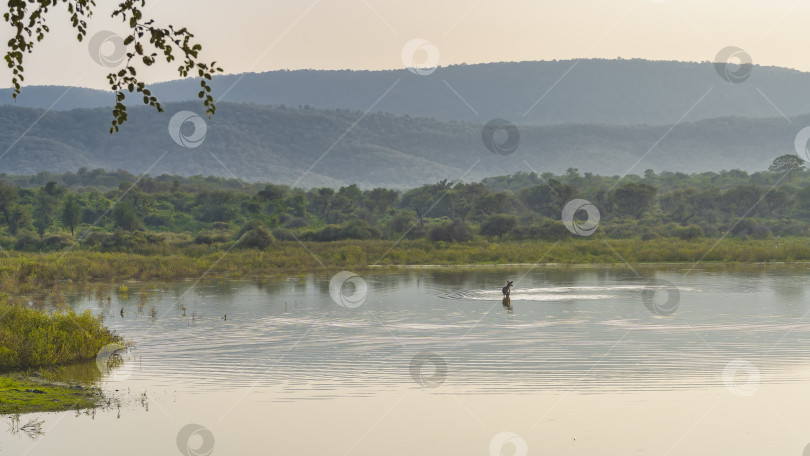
615 92
312 147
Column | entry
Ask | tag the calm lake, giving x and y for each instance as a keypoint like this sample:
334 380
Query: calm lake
433 361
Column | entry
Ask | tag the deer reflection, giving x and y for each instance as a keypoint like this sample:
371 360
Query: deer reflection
507 303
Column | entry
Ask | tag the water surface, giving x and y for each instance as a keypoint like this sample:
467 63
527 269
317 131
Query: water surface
589 361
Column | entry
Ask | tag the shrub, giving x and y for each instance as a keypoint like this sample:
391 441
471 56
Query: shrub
360 229
157 220
498 225
283 235
95 238
296 222
326 234
356 229
257 238
31 338
130 241
27 240
91 216
689 232
124 217
56 241
210 237
752 228
548 230
649 236
455 231
402 221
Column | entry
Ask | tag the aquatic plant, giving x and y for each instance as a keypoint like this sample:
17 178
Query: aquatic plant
32 338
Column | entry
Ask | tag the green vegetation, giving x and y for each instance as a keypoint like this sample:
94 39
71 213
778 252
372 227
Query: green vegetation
171 215
31 338
25 395
30 273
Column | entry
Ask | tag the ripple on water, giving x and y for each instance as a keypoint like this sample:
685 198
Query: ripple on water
607 341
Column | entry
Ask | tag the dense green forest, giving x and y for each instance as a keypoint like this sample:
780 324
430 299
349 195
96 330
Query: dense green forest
116 211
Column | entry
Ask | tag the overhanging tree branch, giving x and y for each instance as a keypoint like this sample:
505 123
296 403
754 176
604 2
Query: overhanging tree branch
145 43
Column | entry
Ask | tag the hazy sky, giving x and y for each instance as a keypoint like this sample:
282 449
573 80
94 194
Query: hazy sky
369 34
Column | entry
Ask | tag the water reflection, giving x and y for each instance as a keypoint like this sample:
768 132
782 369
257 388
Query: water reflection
431 351
622 329
31 427
507 303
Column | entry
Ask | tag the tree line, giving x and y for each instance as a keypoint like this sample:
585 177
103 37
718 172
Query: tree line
70 209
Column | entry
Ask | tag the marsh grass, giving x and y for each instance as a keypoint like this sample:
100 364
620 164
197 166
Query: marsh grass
25 395
31 338
28 274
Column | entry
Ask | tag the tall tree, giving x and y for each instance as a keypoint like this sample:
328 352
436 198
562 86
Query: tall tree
633 198
787 163
8 200
498 225
71 213
124 217
46 201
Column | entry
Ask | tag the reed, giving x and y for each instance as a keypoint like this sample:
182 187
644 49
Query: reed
31 338
24 274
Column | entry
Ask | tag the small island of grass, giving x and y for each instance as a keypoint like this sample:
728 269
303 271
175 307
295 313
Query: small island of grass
20 395
31 339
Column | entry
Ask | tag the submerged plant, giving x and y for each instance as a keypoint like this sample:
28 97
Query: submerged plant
32 428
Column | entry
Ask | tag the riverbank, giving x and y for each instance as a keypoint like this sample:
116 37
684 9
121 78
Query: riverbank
29 273
32 338
19 394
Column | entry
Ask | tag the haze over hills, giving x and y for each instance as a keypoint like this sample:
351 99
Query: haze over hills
264 143
617 92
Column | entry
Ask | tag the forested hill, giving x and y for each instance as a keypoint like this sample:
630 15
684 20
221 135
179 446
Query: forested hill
616 92
262 143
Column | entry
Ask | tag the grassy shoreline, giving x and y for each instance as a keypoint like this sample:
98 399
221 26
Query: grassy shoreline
34 338
27 273
20 395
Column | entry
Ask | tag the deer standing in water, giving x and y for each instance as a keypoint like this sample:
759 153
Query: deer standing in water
507 288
